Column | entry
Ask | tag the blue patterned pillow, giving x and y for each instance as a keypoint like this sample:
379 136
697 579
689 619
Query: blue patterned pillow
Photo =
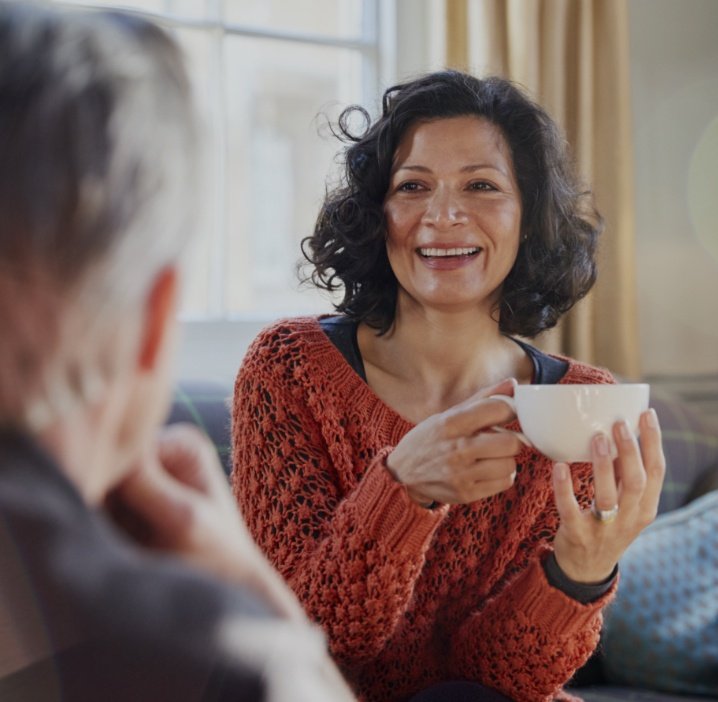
662 630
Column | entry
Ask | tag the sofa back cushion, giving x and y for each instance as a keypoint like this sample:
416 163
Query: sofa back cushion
205 404
690 444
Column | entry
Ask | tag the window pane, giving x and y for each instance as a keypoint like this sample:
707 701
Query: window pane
342 18
192 9
202 290
146 5
280 153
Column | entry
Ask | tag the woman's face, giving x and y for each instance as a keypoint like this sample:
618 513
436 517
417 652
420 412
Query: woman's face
453 213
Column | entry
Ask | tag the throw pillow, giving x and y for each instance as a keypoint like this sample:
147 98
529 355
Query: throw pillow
662 630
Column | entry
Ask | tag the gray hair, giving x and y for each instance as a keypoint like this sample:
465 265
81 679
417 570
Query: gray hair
98 147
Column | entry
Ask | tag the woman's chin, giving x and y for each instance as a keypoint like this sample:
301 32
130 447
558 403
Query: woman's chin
451 303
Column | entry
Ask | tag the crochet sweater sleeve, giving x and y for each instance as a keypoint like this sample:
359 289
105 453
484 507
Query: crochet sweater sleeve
351 557
529 639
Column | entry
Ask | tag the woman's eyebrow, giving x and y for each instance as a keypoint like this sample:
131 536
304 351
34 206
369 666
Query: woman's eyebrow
423 169
470 168
483 166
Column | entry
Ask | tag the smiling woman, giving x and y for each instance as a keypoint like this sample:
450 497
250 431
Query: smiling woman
559 226
432 549
453 214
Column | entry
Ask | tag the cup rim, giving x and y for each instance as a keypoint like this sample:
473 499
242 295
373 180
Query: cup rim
609 387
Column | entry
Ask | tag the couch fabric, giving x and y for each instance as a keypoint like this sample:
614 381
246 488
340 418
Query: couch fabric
663 629
690 445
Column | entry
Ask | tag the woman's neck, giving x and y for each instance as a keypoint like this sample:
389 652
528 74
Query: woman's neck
431 360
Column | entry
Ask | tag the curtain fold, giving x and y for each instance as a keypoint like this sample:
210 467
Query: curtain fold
573 57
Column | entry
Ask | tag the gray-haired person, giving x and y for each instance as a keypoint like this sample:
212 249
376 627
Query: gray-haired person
98 153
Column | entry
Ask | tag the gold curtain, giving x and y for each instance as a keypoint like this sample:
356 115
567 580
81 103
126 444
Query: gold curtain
572 56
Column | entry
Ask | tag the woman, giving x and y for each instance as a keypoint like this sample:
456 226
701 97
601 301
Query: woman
429 547
97 151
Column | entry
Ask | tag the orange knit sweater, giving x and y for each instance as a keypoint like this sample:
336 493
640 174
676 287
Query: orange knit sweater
407 596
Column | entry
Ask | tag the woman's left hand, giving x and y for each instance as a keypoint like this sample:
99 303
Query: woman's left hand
587 548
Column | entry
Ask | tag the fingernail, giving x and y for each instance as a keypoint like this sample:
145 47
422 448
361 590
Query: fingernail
601 444
561 471
652 419
624 430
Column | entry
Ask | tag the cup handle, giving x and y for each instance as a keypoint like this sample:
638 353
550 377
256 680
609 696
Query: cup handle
502 430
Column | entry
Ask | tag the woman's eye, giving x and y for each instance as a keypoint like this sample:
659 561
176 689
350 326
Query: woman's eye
409 187
481 185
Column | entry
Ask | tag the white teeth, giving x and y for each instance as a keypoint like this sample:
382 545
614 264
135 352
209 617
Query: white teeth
466 251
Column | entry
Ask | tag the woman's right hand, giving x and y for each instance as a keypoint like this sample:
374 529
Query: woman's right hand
454 457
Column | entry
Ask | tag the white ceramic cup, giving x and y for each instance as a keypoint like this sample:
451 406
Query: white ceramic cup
560 420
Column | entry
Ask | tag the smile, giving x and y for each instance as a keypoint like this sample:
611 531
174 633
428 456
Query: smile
445 253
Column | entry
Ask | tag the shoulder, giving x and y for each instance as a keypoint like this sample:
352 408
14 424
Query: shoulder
585 374
292 352
284 343
55 548
286 332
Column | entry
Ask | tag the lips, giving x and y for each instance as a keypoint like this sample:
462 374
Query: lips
453 252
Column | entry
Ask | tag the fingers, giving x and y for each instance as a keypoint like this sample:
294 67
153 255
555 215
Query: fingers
504 387
161 502
604 477
584 549
654 462
568 508
165 485
639 469
632 475
187 454
475 414
446 456
480 482
586 546
490 469
467 450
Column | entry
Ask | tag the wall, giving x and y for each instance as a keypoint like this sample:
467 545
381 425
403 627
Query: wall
674 73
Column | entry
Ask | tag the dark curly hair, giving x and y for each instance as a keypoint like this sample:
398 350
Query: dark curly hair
555 266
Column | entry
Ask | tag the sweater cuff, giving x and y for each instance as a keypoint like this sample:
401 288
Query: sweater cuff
389 514
553 610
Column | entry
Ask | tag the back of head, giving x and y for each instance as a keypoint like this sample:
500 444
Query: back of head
97 138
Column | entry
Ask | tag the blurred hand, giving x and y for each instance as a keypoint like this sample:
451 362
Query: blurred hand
454 457
177 500
587 549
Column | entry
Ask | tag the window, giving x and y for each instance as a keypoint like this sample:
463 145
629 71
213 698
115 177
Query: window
267 75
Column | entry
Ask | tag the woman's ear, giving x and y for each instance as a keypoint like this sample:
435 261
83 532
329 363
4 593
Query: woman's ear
160 310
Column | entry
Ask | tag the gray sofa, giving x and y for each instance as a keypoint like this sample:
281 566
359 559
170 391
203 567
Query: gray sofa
690 445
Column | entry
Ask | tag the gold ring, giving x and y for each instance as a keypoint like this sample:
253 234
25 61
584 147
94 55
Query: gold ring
605 516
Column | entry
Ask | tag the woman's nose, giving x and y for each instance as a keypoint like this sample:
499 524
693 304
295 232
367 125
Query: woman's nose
444 209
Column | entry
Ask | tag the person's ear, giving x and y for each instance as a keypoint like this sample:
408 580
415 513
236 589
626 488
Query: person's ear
160 309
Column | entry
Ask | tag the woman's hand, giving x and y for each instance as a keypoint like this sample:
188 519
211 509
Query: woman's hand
586 548
177 500
453 457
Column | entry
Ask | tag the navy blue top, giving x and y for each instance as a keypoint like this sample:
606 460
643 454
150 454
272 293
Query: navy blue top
342 331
